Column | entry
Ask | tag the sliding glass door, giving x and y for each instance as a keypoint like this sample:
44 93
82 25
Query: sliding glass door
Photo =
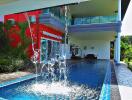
49 49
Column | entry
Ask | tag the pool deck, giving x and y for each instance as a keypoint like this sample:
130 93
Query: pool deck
115 94
124 79
9 76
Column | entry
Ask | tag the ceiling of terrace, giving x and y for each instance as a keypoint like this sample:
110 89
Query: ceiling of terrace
94 8
109 35
17 6
4 2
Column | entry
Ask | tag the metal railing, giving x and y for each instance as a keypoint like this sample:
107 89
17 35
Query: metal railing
58 13
95 20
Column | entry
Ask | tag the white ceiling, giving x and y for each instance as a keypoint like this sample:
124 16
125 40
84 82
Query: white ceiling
94 8
108 35
17 6
4 2
88 8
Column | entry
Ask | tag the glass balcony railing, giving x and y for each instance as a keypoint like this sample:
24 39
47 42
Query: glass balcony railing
95 20
59 13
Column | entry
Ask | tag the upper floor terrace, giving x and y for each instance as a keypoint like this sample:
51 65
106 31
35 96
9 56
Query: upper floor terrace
94 24
95 20
55 17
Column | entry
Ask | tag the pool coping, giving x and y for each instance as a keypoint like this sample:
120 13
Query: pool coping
115 94
111 89
18 80
106 88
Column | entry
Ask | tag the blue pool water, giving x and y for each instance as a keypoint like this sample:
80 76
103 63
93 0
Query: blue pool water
85 80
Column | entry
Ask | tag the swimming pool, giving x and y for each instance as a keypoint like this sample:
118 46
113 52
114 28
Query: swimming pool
84 82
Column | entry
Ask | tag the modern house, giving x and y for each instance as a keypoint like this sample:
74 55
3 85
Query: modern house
92 26
95 25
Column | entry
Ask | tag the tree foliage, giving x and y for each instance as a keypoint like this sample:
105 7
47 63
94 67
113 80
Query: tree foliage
126 48
12 58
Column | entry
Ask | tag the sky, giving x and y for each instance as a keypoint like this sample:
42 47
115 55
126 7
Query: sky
126 29
1 18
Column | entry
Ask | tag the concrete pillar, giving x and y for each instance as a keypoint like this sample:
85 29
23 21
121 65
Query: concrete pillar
118 47
119 10
118 37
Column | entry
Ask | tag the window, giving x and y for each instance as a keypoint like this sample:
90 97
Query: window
11 21
43 50
32 19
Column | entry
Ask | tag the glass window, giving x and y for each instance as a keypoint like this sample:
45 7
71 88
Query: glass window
49 54
32 19
49 49
43 50
94 19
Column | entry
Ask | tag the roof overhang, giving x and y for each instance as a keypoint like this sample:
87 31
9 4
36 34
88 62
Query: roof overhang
17 6
94 8
104 35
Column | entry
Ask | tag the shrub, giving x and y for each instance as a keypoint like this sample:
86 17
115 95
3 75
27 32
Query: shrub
10 65
130 66
12 59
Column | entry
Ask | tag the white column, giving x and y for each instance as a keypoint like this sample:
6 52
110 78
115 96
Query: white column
119 10
118 37
118 47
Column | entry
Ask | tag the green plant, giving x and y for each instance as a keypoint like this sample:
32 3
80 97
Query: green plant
20 51
12 59
7 65
126 50
130 66
4 41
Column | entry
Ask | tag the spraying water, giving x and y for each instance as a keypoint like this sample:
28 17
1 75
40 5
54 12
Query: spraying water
35 52
55 68
54 74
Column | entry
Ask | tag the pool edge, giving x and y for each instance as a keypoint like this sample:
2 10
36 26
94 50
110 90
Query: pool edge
18 80
106 88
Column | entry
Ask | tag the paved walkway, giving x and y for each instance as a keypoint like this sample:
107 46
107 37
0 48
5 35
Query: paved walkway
115 94
10 76
124 78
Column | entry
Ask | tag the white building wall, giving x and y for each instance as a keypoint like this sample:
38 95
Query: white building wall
101 48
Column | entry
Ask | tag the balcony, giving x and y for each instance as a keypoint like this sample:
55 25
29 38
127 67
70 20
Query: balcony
95 20
95 24
54 17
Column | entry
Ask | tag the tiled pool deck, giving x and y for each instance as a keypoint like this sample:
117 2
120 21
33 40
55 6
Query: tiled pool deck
10 76
115 94
124 78
121 83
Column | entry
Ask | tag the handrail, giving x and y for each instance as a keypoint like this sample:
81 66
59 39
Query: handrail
57 13
95 20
